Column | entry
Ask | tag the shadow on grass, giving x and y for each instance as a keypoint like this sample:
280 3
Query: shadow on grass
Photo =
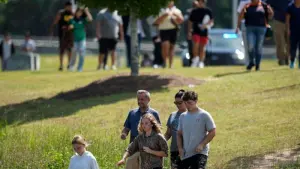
244 72
101 92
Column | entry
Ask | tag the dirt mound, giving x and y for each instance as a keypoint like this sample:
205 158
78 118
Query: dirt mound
124 84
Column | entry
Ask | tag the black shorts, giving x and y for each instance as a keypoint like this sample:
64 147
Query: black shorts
66 41
197 161
106 45
168 35
175 160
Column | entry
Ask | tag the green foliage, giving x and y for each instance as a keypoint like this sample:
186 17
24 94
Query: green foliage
142 8
3 1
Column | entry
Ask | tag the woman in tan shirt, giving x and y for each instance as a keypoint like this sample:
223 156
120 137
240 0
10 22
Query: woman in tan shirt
150 143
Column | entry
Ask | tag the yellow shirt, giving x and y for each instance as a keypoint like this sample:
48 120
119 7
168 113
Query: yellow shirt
166 24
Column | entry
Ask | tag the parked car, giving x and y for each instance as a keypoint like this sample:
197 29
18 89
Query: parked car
225 48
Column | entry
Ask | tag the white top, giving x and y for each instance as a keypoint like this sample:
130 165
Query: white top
166 24
140 29
7 49
86 161
30 44
153 29
242 5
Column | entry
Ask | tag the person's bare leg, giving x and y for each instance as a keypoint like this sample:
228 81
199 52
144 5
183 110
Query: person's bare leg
171 55
69 56
113 59
196 58
202 55
61 60
165 51
100 60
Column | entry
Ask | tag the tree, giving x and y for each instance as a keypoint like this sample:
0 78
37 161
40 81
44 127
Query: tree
3 1
136 9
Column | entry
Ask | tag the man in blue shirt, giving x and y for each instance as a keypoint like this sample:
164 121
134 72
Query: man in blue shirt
280 30
134 116
293 26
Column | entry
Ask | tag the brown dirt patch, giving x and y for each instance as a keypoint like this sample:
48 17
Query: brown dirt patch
125 84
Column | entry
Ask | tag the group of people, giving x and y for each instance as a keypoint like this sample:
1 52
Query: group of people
190 129
111 27
254 19
8 49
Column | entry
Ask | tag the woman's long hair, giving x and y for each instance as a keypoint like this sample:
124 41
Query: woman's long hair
156 126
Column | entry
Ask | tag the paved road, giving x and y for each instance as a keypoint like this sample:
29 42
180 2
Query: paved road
47 45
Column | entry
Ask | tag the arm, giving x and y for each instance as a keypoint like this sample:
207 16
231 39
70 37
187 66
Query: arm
168 134
287 22
94 164
98 27
160 19
179 18
270 12
241 17
121 36
132 148
55 22
88 14
211 134
163 152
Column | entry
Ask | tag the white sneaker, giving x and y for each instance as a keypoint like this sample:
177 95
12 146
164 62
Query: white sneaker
201 65
106 67
113 67
195 62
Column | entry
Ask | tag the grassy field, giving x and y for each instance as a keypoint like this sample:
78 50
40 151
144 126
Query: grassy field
255 113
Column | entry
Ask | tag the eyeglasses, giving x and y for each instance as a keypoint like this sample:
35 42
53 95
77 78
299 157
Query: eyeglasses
178 103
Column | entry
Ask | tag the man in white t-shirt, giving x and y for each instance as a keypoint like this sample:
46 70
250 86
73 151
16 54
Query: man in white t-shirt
168 24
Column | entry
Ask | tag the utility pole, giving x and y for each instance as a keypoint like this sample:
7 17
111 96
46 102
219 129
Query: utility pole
234 13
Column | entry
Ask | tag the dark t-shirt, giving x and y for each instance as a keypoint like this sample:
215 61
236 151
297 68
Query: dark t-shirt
256 14
295 18
64 21
198 17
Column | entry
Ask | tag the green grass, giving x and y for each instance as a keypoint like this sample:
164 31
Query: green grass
255 113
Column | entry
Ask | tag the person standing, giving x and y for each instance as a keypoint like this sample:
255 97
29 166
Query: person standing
78 25
168 24
172 125
280 30
293 26
109 25
256 15
200 21
135 115
65 34
7 49
196 129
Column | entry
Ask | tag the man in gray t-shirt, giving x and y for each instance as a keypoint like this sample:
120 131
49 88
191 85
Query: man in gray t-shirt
109 26
195 130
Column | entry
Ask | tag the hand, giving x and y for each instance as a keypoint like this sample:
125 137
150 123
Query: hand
269 9
204 26
86 9
121 162
237 30
181 152
199 148
147 150
123 136
190 36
